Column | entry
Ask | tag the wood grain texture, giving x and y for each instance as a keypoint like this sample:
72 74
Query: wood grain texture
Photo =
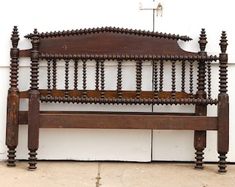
110 44
201 109
77 48
223 105
13 100
34 105
119 120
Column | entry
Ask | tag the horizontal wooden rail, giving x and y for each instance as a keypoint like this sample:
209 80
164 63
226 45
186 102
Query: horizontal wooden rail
108 93
123 120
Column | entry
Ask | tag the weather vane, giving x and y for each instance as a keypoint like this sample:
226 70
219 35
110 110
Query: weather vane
157 11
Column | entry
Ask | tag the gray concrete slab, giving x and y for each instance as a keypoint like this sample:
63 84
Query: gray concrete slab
49 174
111 174
164 175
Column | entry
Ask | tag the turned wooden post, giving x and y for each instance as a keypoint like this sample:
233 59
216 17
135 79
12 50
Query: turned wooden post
34 104
223 105
13 101
201 109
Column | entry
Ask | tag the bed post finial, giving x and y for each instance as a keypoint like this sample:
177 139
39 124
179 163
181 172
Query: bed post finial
14 67
202 40
223 42
13 100
15 37
223 105
35 32
34 59
201 65
223 59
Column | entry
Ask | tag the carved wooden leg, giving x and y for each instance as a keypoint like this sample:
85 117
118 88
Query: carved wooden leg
11 156
33 129
222 163
200 138
199 145
32 159
33 147
12 127
223 132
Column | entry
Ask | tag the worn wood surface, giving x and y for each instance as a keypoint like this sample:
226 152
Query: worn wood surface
200 109
13 100
120 45
223 105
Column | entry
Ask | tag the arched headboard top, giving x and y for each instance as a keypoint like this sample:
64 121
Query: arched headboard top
110 43
110 30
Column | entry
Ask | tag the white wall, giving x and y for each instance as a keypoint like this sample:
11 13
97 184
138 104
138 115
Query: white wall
180 17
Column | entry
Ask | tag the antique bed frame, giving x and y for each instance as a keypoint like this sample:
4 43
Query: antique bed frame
117 45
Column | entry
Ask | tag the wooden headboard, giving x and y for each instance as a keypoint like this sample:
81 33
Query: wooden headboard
111 43
118 45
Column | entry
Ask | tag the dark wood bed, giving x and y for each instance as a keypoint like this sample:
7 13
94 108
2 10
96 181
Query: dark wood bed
118 46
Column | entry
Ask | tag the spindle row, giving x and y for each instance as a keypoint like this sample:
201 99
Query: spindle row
158 79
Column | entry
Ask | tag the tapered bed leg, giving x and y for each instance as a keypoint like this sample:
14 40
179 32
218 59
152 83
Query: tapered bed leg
33 128
199 145
12 127
200 139
223 131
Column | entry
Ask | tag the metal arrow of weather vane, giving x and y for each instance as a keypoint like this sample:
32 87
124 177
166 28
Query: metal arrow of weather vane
157 11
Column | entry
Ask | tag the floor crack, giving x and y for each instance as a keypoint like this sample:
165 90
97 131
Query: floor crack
98 178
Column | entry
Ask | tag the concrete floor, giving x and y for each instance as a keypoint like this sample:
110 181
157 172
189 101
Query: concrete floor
108 174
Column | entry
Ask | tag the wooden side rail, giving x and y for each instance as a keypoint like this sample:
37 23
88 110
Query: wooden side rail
178 77
123 120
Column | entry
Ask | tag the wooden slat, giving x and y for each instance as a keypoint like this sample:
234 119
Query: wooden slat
191 78
54 74
126 121
173 79
84 78
119 79
161 75
138 78
66 77
75 74
102 78
49 77
155 78
97 75
23 117
209 80
183 76
25 53
24 94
